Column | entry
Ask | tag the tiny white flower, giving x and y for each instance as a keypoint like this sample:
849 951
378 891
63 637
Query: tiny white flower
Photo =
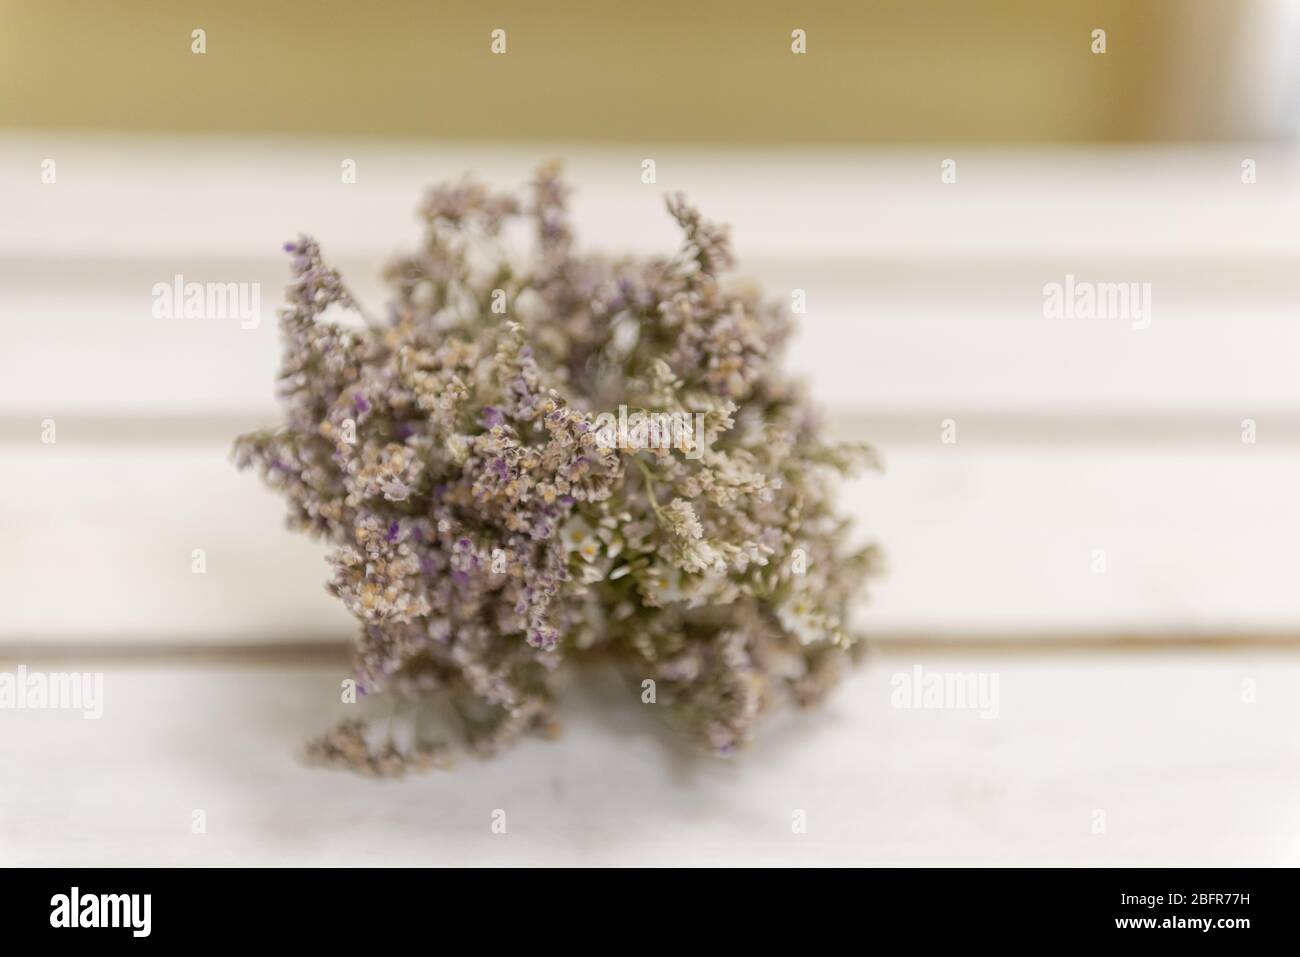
458 448
661 585
798 615
578 537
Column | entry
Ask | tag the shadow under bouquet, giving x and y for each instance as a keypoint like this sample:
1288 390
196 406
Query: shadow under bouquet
554 456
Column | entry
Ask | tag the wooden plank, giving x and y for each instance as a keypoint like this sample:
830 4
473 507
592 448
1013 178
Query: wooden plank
877 337
1184 771
982 537
227 196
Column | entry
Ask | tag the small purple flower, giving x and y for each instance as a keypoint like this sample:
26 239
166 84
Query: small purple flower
492 416
544 637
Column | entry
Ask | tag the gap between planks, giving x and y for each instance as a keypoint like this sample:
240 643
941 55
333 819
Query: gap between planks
982 426
901 643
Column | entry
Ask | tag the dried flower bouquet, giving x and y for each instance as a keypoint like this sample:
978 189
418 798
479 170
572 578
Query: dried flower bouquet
492 511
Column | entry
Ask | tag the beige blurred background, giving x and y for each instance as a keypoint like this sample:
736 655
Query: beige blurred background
898 71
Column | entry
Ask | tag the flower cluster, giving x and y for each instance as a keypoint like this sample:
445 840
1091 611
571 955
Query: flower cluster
482 532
